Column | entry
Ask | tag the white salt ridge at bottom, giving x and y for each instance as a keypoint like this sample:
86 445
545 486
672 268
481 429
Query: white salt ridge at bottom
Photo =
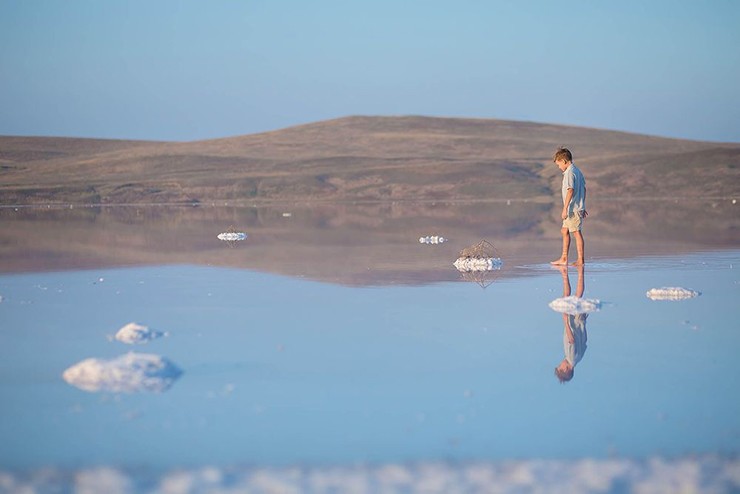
129 373
671 293
470 264
575 305
136 334
702 474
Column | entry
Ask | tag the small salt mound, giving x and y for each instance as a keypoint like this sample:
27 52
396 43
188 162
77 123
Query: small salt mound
470 264
135 334
575 305
671 293
232 236
433 240
130 373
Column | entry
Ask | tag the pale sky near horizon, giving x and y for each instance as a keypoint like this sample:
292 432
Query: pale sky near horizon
187 70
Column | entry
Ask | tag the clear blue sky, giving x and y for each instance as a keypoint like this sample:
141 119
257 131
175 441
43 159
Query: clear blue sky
185 70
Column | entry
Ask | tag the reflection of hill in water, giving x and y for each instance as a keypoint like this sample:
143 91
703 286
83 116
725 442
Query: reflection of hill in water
374 243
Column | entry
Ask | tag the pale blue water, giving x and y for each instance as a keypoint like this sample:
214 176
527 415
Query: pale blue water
281 371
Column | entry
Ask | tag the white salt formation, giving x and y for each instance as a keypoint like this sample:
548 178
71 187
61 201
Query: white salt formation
432 240
575 305
671 293
232 236
709 473
130 373
135 334
472 264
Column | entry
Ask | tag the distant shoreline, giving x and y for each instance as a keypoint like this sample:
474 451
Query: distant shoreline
310 202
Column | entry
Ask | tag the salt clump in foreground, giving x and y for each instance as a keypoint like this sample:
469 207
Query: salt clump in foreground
575 305
129 373
136 334
671 293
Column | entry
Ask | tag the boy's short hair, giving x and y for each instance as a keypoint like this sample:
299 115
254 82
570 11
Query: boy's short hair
562 154
564 376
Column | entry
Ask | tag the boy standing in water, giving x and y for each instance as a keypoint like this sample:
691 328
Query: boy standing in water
574 206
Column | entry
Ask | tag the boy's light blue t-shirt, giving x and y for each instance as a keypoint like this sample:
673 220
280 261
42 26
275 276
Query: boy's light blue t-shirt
573 179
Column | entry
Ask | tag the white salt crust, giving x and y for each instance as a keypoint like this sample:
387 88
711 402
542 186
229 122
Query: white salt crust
232 236
136 334
471 264
671 293
575 305
129 373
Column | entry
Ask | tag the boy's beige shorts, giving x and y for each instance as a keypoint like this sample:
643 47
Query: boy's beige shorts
573 222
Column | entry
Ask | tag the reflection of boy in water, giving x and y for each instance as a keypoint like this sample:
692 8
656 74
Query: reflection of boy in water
574 331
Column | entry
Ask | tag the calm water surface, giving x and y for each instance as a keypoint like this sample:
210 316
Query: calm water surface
339 340
281 371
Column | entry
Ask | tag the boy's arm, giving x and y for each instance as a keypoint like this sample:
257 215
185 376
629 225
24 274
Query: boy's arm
566 203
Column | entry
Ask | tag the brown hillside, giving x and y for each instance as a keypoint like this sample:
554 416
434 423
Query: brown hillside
366 159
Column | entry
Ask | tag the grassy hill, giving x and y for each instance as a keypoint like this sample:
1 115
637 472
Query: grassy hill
364 159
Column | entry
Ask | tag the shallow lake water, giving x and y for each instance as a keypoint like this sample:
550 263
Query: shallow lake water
446 375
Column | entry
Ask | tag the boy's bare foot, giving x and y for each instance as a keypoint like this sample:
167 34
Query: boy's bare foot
578 263
559 262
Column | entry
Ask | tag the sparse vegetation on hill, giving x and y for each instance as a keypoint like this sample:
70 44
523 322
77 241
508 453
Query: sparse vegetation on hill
363 159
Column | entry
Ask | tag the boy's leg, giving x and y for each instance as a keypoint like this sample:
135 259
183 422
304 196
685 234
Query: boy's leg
579 248
563 260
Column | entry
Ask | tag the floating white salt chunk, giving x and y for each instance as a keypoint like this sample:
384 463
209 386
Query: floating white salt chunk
432 239
468 264
232 236
133 334
575 305
129 373
671 293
